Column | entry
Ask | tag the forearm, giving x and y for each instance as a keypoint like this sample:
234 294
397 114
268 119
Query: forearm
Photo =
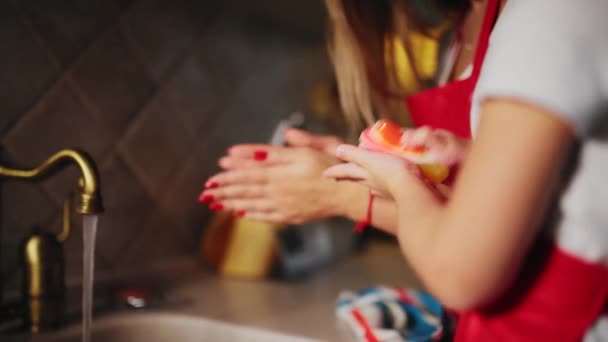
353 201
418 235
428 245
442 252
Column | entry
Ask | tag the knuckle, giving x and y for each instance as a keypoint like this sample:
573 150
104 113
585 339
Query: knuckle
228 177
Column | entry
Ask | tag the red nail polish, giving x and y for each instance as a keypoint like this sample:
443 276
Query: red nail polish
205 198
260 155
239 213
211 185
216 206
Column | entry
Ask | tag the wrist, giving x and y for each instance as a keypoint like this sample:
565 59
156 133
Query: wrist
417 198
350 200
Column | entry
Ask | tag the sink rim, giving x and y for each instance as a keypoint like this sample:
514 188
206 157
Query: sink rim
138 319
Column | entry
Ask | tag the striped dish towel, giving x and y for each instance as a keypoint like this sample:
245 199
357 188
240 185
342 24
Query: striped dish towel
387 314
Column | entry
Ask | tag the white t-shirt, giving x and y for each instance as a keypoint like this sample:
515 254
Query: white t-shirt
554 53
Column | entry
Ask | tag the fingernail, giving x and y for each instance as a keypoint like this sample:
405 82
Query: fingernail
239 213
211 185
340 151
260 155
216 206
205 198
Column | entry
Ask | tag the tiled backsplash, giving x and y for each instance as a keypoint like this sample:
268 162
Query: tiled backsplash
155 91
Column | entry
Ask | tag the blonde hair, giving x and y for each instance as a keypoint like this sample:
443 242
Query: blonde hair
371 49
354 87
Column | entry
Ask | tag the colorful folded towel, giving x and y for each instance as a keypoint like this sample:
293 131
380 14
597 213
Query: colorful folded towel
385 314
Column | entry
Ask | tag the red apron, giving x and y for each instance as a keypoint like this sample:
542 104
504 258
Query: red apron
557 296
448 107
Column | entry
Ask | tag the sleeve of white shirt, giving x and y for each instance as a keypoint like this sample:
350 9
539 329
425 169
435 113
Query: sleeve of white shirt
551 53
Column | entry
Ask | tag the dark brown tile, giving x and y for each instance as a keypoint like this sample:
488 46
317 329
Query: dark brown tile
308 66
155 243
267 86
25 70
25 205
58 121
127 206
180 201
231 53
165 30
279 87
11 277
124 4
156 146
68 27
114 79
196 91
244 120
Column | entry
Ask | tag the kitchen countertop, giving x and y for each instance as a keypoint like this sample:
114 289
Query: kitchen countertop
300 308
304 308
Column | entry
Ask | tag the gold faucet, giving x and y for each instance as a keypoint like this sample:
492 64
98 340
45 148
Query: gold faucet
42 256
90 195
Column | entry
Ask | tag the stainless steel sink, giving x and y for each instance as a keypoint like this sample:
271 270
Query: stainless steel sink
163 327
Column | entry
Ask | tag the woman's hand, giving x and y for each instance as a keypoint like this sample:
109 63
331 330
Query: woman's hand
300 138
383 173
278 184
441 145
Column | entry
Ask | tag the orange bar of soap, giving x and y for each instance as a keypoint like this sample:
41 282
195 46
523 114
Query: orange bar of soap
385 136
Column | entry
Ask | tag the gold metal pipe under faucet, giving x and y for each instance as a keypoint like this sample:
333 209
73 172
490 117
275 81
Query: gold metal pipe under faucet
90 193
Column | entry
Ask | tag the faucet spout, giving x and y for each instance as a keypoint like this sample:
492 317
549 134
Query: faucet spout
90 191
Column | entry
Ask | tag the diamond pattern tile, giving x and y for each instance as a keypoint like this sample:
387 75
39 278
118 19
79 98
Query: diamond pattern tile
196 91
58 121
68 27
155 243
126 205
24 206
156 146
114 79
124 4
155 91
9 266
240 121
166 29
25 69
234 54
180 200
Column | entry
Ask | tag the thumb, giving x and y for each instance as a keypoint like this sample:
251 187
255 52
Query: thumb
374 162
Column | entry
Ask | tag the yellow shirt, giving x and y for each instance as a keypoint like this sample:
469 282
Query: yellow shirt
425 53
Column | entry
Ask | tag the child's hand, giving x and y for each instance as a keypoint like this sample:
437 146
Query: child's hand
381 172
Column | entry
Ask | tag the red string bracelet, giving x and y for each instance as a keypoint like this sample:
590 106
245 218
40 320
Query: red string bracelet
361 225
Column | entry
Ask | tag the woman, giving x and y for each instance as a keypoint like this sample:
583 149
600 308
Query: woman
494 251
370 45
